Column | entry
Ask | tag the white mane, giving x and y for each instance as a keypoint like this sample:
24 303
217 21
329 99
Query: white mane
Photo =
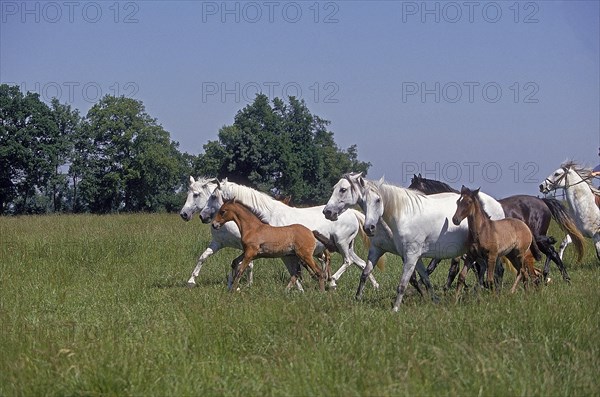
584 173
399 200
260 203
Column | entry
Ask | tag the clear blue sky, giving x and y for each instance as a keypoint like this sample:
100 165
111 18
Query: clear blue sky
490 94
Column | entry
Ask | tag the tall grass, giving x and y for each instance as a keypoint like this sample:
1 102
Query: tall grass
98 306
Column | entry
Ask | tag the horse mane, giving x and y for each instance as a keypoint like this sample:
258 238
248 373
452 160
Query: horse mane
400 200
584 172
433 186
260 204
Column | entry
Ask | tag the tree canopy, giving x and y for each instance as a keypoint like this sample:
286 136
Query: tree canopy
119 158
280 148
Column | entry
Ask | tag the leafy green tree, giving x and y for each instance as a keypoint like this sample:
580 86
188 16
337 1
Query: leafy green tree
31 150
126 160
281 148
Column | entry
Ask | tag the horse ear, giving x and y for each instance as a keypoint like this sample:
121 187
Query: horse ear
355 175
420 175
192 180
381 180
218 183
361 182
476 192
464 189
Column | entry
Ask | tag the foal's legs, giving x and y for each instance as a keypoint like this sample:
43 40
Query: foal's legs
306 256
248 256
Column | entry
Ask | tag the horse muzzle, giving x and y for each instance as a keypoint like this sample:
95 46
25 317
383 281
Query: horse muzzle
456 221
370 229
329 214
185 216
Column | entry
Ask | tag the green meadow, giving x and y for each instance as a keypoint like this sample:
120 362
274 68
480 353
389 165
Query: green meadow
97 305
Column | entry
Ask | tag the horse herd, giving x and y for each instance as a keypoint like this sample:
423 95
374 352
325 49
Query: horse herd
429 219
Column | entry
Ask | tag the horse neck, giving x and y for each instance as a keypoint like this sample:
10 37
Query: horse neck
478 220
245 219
579 195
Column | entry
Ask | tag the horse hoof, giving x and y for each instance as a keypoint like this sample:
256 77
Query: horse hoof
191 284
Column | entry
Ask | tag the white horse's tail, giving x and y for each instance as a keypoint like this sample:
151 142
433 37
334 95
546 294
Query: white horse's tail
366 241
567 224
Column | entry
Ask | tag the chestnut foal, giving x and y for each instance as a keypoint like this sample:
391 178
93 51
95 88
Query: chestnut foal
260 240
489 240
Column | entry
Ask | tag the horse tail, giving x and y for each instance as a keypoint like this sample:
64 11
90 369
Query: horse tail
567 224
508 265
366 240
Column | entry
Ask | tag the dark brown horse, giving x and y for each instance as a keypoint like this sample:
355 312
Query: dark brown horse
260 240
489 240
535 212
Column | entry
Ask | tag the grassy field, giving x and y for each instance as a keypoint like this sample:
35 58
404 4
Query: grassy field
98 306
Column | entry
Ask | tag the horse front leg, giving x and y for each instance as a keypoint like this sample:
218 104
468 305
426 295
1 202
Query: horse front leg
409 267
491 267
360 263
211 249
563 245
374 255
247 258
597 244
552 255
235 265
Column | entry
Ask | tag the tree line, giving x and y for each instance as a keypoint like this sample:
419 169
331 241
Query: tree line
117 158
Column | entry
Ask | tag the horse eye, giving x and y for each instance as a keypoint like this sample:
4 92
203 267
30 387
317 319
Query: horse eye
556 173
196 195
343 190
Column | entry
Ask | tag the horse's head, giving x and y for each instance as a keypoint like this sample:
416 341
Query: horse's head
556 180
417 182
198 193
214 202
225 214
373 207
346 193
465 205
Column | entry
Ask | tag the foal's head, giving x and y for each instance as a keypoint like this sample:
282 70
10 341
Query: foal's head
226 213
466 205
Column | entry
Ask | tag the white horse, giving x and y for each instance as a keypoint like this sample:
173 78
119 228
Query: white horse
338 236
415 225
227 236
575 181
